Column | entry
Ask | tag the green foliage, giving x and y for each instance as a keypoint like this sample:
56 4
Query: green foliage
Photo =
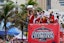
24 6
31 2
24 9
8 6
38 8
1 17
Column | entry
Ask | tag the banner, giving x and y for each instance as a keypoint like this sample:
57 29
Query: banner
43 33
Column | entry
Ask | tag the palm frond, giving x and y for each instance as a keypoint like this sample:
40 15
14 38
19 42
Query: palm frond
8 6
31 2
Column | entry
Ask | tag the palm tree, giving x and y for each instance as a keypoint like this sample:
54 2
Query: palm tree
6 9
24 6
31 2
23 17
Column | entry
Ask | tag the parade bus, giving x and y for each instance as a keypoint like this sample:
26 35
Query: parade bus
45 32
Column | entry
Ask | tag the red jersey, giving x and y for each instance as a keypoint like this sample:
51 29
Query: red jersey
37 20
31 18
52 19
44 20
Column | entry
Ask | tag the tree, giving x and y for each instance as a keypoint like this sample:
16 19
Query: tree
23 15
39 9
31 2
24 6
6 9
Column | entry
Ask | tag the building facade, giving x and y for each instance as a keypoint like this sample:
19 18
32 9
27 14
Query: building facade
51 4
57 4
44 4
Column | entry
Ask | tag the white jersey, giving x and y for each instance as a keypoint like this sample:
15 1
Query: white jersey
55 16
38 14
45 14
34 21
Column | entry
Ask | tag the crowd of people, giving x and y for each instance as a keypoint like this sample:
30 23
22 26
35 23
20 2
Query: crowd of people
42 17
10 40
36 16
